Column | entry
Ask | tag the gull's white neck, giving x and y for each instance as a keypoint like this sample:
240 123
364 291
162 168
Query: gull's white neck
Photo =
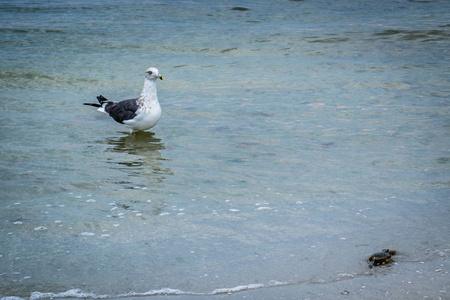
148 97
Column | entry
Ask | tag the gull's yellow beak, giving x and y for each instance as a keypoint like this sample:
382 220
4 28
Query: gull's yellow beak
160 77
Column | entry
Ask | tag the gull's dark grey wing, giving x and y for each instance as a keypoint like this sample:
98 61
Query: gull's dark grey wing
123 110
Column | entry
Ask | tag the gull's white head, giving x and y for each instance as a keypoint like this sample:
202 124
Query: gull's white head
153 74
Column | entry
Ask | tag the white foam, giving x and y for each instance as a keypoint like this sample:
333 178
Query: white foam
164 291
87 233
345 275
40 228
264 208
237 289
12 298
75 293
277 283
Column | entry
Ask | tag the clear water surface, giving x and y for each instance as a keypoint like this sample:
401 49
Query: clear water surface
297 138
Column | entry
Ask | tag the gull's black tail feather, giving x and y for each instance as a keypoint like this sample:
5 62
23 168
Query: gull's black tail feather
93 104
100 99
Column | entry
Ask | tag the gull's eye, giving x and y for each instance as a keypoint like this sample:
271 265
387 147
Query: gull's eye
149 73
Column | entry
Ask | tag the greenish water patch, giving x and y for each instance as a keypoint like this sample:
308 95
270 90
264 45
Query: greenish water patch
330 40
410 35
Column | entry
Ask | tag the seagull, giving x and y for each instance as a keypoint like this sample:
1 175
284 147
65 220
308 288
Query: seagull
137 114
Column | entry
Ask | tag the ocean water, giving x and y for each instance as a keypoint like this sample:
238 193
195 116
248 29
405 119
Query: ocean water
297 138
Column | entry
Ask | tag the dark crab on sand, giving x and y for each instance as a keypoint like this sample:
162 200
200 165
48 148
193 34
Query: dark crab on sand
381 258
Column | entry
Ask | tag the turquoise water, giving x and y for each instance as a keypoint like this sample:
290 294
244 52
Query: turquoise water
297 138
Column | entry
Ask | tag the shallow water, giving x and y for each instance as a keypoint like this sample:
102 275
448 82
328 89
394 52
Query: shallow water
297 138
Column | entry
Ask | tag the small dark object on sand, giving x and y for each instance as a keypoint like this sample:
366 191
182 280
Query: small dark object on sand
381 258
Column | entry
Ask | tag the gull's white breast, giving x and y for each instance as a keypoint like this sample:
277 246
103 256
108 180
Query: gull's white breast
145 118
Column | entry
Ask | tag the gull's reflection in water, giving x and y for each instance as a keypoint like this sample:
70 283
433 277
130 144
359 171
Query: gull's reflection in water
141 156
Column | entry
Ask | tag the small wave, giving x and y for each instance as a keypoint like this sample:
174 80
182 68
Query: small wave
78 294
408 35
331 40
31 30
228 50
